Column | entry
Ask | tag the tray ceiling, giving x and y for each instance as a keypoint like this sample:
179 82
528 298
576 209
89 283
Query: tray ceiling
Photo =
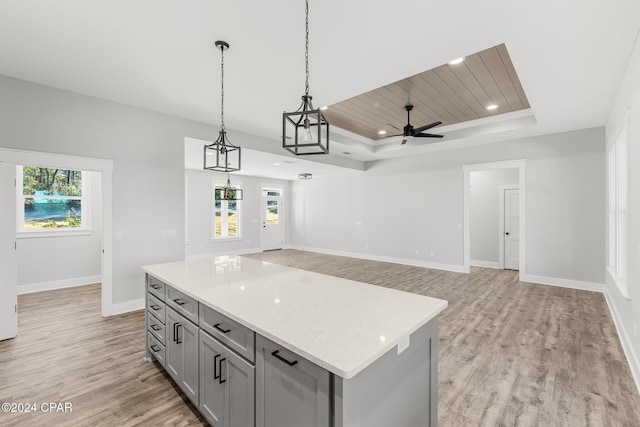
450 93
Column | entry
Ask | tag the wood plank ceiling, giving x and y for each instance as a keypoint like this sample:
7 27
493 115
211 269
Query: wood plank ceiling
450 93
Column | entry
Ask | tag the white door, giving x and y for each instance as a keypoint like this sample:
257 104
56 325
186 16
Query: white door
8 263
512 229
272 228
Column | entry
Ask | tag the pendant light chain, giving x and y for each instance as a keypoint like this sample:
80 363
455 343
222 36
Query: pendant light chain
222 89
306 54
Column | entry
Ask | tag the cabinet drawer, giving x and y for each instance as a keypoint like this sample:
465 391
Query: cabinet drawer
183 304
156 307
287 380
156 348
156 328
229 332
156 287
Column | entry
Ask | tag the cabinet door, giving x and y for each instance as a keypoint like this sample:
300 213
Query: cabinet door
174 354
211 399
190 366
227 385
182 353
290 390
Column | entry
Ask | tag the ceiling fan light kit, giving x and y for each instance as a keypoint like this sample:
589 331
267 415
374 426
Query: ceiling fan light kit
305 131
222 156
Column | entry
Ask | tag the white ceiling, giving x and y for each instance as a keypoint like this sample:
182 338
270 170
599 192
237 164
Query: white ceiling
570 56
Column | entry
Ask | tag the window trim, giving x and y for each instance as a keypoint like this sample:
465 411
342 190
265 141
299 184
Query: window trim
214 238
617 159
85 230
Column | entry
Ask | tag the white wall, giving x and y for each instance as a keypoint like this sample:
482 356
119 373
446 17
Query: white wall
148 175
627 311
414 204
54 262
484 214
199 192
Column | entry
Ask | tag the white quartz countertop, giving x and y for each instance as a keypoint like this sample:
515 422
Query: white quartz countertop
338 324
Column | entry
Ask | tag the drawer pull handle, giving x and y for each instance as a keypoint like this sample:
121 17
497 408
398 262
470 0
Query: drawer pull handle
220 381
216 375
277 356
155 348
179 301
156 287
176 333
155 307
224 331
155 327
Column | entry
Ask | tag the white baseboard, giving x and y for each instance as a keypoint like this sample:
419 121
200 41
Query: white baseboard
629 352
124 307
563 283
485 264
405 261
215 254
57 284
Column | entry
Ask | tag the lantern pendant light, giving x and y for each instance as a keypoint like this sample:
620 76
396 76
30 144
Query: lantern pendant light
228 192
222 156
305 131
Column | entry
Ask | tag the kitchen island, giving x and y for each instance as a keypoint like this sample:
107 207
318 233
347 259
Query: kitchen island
254 342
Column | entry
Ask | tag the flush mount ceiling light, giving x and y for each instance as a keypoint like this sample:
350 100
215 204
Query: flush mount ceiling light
305 176
456 61
228 192
492 107
307 126
222 156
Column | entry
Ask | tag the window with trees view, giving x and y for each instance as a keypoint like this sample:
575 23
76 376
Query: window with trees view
226 216
50 199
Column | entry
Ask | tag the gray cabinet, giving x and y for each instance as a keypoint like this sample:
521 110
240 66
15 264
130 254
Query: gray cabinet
227 385
290 390
182 353
229 332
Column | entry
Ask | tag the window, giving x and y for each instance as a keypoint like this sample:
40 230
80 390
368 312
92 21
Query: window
51 199
618 204
272 214
227 222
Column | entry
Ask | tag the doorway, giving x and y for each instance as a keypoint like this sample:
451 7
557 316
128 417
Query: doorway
103 168
272 219
495 233
8 262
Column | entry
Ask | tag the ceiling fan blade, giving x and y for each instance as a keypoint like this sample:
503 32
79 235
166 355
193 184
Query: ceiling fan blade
395 127
426 127
391 136
428 135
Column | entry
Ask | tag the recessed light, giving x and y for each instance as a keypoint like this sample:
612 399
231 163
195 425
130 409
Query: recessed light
382 132
276 164
324 108
492 107
456 61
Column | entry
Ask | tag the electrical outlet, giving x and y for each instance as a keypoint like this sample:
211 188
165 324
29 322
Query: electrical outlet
417 252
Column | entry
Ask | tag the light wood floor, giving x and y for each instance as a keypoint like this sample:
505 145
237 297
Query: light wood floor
511 353
66 352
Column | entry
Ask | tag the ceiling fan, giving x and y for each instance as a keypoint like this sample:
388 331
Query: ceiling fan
416 132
